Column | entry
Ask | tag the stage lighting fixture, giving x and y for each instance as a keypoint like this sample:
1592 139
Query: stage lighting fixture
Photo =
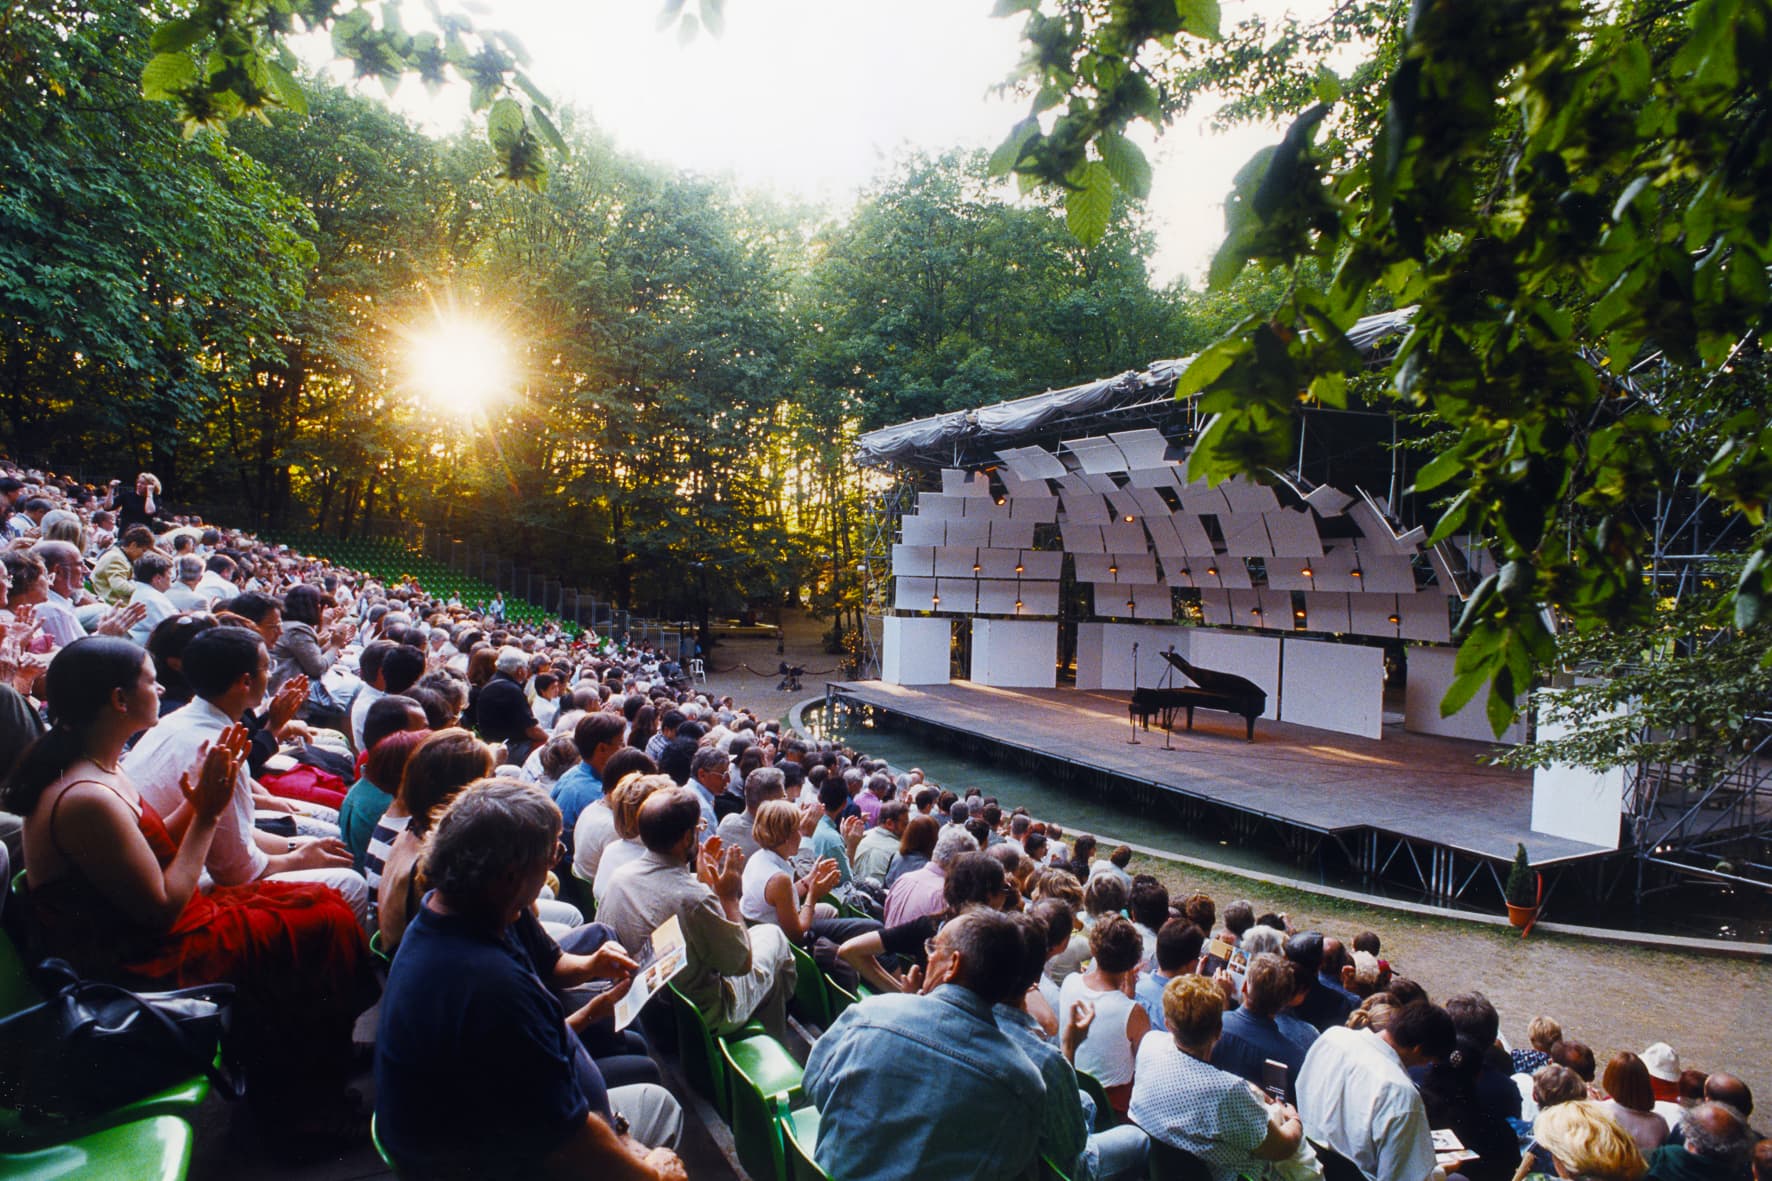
1306 571
1018 567
1355 572
1394 618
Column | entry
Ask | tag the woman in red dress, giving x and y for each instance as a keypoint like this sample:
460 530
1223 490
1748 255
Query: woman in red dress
114 889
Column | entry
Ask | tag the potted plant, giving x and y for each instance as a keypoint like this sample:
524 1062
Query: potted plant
1522 890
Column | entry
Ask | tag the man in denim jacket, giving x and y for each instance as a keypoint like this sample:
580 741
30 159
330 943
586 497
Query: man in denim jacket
945 1053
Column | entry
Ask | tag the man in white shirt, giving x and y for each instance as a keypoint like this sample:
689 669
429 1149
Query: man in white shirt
1356 1099
217 582
153 576
66 572
187 573
228 668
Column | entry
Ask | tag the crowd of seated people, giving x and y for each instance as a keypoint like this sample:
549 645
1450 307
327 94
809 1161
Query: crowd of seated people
236 763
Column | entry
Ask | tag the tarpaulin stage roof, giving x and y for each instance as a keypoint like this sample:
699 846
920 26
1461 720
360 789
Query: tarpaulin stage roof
963 437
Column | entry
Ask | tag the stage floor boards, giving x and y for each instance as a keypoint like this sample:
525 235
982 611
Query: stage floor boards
1415 785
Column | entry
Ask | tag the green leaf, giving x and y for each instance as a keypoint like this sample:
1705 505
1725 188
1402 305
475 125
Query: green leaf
287 89
1200 17
668 15
713 16
166 74
504 123
1126 163
1008 153
1326 85
1462 689
536 94
174 35
1011 7
687 31
1439 469
1088 207
550 133
1500 709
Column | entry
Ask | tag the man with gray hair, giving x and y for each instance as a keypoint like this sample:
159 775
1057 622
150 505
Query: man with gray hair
61 561
760 786
476 1069
920 892
502 713
1719 1147
187 572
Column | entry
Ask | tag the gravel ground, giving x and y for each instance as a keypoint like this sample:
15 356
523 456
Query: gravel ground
1713 1009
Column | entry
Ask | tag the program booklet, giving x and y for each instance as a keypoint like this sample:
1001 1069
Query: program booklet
659 961
1449 1150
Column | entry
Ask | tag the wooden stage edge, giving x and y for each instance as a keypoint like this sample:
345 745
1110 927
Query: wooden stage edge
1426 789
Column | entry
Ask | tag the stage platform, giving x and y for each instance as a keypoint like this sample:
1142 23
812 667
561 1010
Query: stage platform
1405 791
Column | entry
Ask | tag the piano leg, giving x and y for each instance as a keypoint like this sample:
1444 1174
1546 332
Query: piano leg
1190 717
1250 719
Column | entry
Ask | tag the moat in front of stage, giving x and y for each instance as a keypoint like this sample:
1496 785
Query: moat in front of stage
1703 911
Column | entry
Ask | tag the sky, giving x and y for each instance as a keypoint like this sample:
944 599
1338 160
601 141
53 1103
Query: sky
812 99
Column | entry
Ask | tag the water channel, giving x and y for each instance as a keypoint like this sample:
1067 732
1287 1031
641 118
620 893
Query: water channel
1699 910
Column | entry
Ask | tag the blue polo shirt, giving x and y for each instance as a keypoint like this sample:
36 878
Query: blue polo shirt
476 1072
1249 1041
575 791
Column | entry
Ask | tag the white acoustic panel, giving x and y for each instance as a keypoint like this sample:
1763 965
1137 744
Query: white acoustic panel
1101 482
914 561
1430 673
920 530
1385 573
1246 609
1256 657
1168 476
1082 539
1246 496
1114 601
915 651
958 595
1294 533
1326 611
1245 535
971 531
1019 488
1215 607
1231 573
1126 505
940 507
1195 542
986 507
1075 484
998 563
1573 802
1015 653
1087 508
1425 616
1285 574
956 482
1177 571
1163 536
1122 537
1373 615
1143 448
1092 567
1139 567
1147 502
1329 502
1041 511
1106 660
1038 598
1333 569
1032 463
997 596
1153 600
1198 498
913 594
1277 609
956 561
1331 686
1012 534
1096 454
1041 564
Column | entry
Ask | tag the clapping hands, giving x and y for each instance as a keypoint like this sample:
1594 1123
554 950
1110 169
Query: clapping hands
218 765
118 620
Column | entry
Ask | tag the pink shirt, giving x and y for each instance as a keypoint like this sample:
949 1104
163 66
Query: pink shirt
869 803
916 894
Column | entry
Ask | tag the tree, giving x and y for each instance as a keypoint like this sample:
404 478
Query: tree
1622 218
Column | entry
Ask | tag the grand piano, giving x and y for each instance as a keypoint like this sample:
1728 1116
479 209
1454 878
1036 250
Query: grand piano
1211 689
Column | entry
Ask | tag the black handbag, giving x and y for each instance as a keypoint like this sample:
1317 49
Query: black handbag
93 1047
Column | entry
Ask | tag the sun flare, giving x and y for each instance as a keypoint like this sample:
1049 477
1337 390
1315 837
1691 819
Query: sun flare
459 366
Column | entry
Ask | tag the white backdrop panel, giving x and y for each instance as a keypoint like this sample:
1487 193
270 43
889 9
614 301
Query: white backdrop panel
919 530
1142 448
957 482
1113 600
1215 607
1086 508
1039 598
1123 537
1334 569
1198 498
1573 802
1294 533
998 563
1425 617
1163 534
1430 675
1337 687
996 596
1385 573
1370 615
1252 656
1012 534
1153 600
1194 540
1041 564
915 651
958 595
1033 463
1015 653
1104 653
1023 489
1092 567
940 506
1246 496
1245 535
986 507
971 531
1326 611
1082 539
1041 510
914 561
1140 567
913 594
955 561
1167 476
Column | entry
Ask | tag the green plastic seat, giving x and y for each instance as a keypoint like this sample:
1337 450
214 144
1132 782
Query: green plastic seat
376 951
156 1149
1049 1170
800 1140
375 1139
765 1080
703 1064
810 996
841 998
1105 1115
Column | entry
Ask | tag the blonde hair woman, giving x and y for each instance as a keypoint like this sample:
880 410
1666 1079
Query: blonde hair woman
1587 1143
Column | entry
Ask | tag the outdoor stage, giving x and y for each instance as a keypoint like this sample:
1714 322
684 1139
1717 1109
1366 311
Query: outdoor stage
1409 806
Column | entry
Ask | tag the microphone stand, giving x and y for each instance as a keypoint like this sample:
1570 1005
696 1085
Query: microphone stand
1133 721
1169 682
